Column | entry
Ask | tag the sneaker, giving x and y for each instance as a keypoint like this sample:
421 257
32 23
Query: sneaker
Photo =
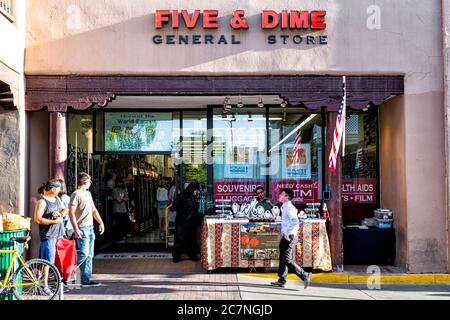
307 280
47 291
66 287
91 284
278 284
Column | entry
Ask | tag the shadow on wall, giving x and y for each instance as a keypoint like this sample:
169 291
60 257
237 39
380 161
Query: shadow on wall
130 44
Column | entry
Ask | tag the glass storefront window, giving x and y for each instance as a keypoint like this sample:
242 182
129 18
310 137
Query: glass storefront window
137 132
296 154
360 167
239 153
80 147
194 147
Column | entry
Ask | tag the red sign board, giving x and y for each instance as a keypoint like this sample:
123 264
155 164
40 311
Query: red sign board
305 191
270 19
236 191
359 191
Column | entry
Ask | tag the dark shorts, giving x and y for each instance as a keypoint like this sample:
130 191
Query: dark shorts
47 250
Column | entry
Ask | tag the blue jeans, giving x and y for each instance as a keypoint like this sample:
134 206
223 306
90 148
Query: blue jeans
86 253
47 250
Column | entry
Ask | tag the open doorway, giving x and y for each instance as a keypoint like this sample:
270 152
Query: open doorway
138 189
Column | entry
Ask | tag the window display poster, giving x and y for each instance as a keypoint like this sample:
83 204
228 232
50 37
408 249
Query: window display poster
305 191
238 171
260 241
357 191
296 169
138 131
236 191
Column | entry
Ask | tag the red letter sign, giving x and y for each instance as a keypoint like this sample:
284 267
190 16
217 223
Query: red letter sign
270 19
210 19
190 22
318 20
161 16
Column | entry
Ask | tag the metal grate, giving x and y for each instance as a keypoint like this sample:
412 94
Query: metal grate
6 7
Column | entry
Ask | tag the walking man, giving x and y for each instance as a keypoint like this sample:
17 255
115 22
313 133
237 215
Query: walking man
82 213
289 239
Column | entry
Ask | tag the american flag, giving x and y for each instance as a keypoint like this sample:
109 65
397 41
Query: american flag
339 131
296 151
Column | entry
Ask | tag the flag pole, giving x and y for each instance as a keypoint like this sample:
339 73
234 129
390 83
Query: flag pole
344 83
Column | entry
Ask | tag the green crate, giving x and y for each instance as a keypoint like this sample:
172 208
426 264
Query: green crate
5 259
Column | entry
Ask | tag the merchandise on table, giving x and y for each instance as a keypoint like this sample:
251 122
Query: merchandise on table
255 212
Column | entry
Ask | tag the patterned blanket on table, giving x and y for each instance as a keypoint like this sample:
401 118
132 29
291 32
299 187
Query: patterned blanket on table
221 247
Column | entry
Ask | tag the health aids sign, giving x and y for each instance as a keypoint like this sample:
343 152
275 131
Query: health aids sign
269 20
359 191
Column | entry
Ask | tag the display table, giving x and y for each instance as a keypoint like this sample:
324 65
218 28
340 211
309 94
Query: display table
223 244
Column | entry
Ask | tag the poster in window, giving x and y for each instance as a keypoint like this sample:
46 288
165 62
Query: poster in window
240 162
296 167
138 131
260 241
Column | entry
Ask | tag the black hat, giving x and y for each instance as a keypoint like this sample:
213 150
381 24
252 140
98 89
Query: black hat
52 184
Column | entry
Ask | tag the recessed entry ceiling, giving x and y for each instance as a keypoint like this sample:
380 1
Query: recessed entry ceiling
185 102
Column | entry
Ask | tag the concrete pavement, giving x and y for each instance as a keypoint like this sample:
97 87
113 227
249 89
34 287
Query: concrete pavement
161 280
255 288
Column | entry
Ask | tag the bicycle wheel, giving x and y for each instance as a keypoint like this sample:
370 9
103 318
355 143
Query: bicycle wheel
39 291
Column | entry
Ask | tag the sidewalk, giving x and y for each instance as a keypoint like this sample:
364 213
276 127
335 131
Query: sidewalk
141 279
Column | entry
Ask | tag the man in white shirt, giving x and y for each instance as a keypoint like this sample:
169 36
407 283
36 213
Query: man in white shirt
289 239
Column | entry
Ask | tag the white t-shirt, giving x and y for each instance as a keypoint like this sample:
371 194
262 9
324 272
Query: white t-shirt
173 193
162 194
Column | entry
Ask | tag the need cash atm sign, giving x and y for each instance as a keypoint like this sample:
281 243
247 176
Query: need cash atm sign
282 24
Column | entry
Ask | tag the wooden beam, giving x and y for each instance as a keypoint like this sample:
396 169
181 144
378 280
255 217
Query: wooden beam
58 93
334 180
58 146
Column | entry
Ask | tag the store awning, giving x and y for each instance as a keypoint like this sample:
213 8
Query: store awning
60 93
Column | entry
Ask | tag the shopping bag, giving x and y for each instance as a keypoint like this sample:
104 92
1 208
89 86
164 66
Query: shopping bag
66 257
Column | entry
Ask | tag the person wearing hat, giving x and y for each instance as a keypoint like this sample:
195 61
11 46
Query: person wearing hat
49 214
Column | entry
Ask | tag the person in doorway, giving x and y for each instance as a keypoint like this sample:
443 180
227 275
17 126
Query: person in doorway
68 228
49 214
289 239
162 200
172 192
262 199
120 210
186 221
82 213
111 182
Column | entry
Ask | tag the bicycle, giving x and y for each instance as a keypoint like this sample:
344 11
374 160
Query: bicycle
35 279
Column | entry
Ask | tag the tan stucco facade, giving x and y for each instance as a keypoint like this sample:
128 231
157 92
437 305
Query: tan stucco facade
12 122
446 61
365 37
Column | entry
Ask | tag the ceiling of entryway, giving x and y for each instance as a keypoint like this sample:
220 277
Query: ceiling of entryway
186 102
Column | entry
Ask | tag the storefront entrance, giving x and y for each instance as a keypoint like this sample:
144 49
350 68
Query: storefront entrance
231 134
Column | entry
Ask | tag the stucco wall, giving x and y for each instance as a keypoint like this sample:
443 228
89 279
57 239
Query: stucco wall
446 61
12 146
114 37
11 37
37 165
9 161
392 173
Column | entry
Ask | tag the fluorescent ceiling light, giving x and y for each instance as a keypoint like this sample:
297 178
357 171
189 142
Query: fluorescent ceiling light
301 125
